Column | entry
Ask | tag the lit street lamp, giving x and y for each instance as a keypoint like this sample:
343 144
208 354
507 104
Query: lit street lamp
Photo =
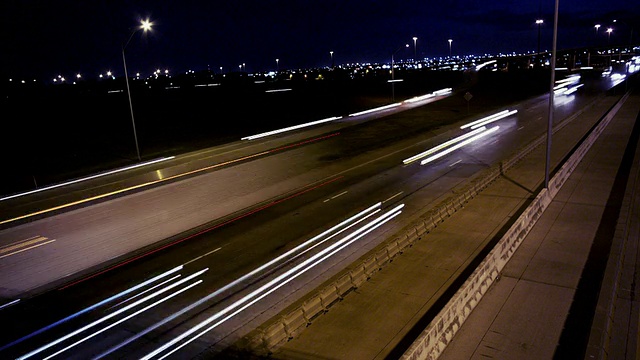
450 41
331 53
609 31
278 64
415 56
539 22
145 26
597 26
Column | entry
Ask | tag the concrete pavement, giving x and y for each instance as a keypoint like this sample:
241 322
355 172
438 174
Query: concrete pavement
523 314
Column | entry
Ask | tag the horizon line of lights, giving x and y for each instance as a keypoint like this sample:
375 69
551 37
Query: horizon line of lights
468 57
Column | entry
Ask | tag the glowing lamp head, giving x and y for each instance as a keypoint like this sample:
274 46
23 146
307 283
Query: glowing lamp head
145 25
597 26
610 30
539 21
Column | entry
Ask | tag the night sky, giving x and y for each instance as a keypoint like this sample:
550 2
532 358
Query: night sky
43 38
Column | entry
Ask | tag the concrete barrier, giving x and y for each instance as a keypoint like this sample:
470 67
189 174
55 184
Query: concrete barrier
273 333
439 333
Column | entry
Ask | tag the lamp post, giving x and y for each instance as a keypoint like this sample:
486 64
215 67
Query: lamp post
630 31
393 73
450 41
331 54
539 22
547 164
145 25
415 44
609 31
597 27
278 64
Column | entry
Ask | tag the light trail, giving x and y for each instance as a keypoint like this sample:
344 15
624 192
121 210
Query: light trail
113 314
290 128
103 302
489 121
340 228
468 125
386 107
203 231
123 319
276 283
9 304
87 178
419 98
177 176
442 146
459 145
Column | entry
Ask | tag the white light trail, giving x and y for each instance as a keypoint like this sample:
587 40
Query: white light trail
376 109
478 67
573 89
459 145
273 132
124 319
359 217
443 91
10 303
419 98
107 317
85 310
146 291
87 178
273 284
489 121
483 119
443 145
277 90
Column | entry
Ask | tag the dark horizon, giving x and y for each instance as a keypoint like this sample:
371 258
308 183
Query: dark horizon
69 37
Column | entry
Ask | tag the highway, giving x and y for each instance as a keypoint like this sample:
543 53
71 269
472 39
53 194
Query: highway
267 198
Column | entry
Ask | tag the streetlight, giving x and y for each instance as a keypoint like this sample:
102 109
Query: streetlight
450 41
415 56
331 53
278 64
597 26
539 22
145 25
630 31
609 31
220 70
393 77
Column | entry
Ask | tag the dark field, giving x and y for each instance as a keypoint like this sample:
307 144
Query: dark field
53 133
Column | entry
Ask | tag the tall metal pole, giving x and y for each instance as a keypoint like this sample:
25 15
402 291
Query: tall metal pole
551 94
126 77
393 83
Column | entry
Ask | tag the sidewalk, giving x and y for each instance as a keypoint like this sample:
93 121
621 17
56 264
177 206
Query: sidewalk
523 314
548 291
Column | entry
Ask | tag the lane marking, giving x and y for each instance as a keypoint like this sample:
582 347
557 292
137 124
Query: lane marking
21 243
342 193
201 232
177 176
455 163
88 178
398 194
521 127
28 248
201 256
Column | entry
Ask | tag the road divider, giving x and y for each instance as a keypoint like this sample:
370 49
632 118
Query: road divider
439 333
275 332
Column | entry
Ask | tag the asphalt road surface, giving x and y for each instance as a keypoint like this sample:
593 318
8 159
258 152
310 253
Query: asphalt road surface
211 229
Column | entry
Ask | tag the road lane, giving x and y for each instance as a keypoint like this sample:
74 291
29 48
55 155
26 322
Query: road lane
390 178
